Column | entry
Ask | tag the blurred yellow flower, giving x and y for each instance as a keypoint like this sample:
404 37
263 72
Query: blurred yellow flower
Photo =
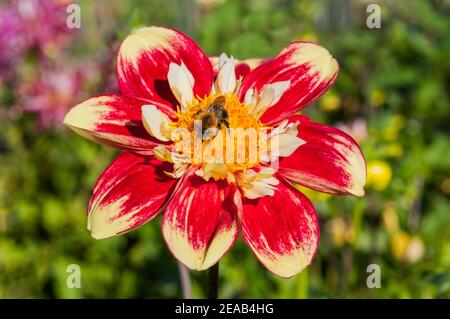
340 231
330 102
379 175
390 218
407 248
399 245
415 250
377 98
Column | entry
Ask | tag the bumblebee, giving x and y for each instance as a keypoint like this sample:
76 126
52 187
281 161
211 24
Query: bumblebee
213 117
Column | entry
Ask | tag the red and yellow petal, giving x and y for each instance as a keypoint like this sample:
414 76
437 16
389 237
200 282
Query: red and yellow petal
113 120
310 69
330 161
143 63
199 224
282 230
130 192
241 68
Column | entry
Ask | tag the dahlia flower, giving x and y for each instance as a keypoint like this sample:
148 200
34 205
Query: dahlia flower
169 85
19 22
12 41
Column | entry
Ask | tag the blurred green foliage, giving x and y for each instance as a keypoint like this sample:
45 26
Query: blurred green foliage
396 79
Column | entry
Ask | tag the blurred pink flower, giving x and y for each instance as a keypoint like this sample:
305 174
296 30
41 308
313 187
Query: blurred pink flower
45 23
356 129
12 40
52 94
50 82
32 25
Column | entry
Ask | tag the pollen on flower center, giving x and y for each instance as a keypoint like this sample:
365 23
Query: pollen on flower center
223 136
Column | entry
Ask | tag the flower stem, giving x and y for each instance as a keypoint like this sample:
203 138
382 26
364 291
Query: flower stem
213 281
185 280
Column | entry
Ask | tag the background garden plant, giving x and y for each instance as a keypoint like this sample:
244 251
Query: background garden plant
391 95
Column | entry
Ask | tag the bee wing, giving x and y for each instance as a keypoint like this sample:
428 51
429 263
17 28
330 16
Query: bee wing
220 100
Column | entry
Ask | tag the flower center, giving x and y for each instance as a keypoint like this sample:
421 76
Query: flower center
221 134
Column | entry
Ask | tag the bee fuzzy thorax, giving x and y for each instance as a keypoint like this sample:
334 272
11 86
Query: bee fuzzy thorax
213 117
